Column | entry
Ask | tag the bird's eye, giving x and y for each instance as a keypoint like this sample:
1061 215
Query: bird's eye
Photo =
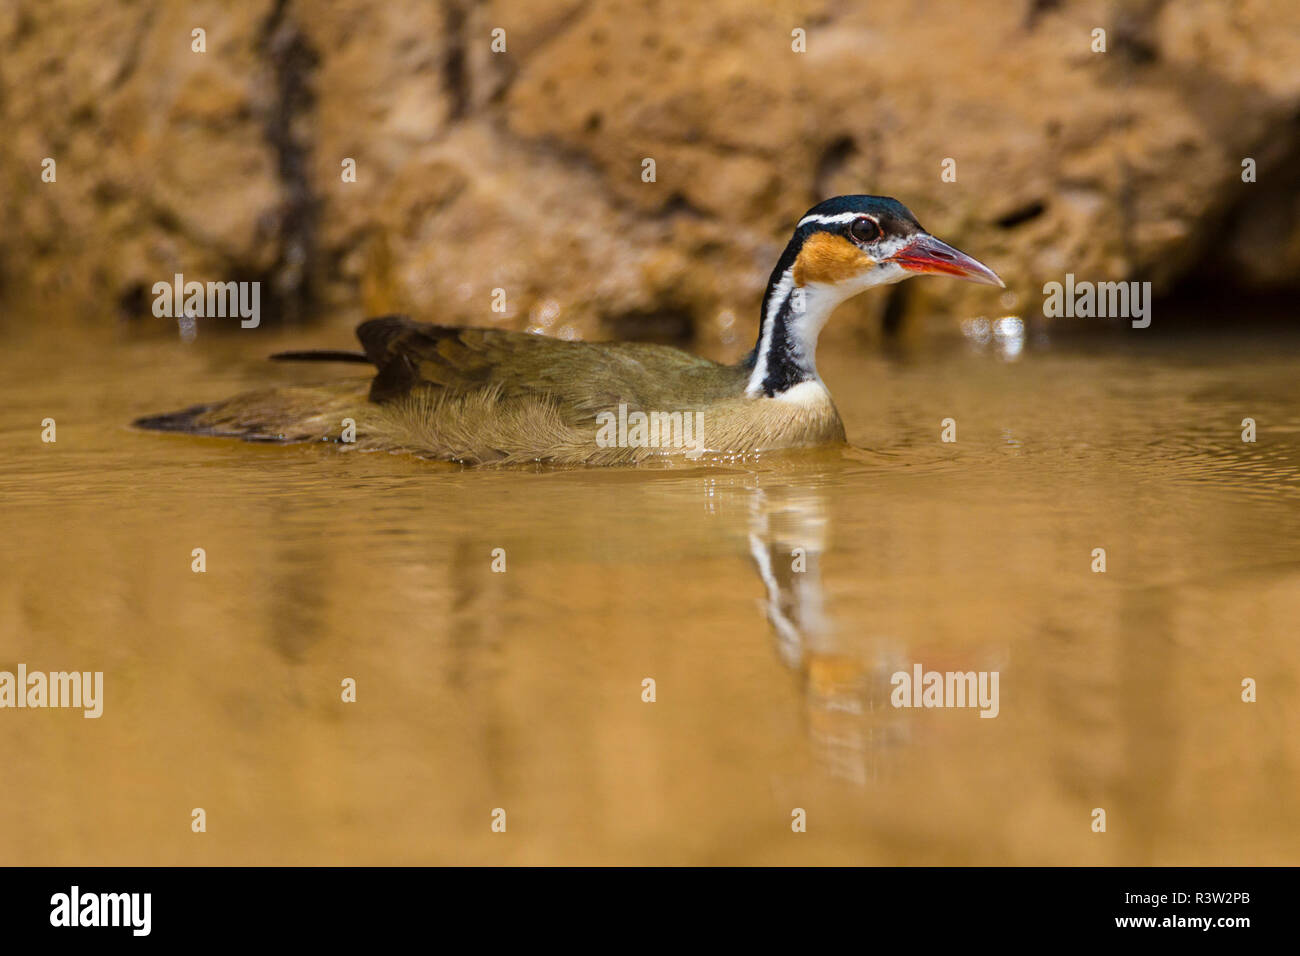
865 229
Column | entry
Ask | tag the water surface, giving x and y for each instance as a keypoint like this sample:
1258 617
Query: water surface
523 690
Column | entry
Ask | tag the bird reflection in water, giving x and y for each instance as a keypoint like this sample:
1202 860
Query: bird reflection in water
845 682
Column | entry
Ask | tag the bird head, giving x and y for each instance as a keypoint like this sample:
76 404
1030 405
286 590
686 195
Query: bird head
851 243
841 247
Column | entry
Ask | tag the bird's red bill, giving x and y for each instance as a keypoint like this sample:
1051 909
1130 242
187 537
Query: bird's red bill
927 255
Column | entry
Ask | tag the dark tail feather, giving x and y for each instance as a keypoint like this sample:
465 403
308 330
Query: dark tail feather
183 421
321 355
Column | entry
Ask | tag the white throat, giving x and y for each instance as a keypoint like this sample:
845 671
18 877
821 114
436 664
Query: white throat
793 319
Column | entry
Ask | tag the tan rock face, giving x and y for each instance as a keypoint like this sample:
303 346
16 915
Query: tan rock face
526 171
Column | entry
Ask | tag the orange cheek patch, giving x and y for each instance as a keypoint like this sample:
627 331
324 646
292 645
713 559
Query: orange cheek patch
830 259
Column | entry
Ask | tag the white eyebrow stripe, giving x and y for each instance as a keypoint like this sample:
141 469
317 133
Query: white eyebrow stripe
829 220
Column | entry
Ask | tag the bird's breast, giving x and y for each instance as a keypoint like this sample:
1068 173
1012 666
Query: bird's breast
801 416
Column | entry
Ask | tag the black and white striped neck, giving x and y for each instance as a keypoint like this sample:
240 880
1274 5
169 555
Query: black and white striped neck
786 353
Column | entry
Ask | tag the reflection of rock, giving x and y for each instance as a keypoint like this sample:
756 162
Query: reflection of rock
846 686
522 170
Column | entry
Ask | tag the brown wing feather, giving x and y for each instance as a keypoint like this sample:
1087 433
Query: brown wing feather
581 376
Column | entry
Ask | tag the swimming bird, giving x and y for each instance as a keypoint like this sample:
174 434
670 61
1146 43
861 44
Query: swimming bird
490 396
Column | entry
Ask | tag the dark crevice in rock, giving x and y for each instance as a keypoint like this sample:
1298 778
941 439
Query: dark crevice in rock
1038 9
25 26
1134 35
1242 251
291 62
834 158
1135 49
678 205
558 27
131 59
455 74
134 302
1018 217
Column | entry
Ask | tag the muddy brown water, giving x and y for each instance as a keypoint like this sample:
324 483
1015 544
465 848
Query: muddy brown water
523 690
